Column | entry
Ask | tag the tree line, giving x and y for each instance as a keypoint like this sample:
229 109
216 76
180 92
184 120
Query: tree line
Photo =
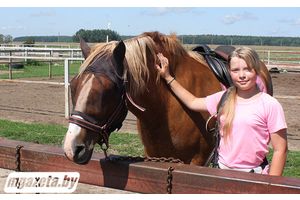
5 38
93 36
61 38
240 40
101 35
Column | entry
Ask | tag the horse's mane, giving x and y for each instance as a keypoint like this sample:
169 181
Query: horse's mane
137 50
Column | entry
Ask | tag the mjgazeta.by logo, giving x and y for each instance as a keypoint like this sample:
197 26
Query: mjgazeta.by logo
41 182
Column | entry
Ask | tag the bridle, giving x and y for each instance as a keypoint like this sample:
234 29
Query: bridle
114 121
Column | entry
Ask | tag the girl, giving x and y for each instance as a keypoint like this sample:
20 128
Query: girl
249 119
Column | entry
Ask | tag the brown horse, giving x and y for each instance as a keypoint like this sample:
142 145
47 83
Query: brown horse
119 72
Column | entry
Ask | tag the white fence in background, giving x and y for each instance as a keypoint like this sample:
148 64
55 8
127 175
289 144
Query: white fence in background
66 75
272 57
43 45
10 55
26 52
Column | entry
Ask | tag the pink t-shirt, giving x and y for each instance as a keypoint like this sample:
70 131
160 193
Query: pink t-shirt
254 121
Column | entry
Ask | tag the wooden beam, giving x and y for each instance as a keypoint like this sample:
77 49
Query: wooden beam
143 177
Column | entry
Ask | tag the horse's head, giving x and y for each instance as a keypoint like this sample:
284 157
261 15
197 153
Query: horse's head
98 101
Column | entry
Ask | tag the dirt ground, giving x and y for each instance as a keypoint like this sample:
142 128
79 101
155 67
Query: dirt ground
28 102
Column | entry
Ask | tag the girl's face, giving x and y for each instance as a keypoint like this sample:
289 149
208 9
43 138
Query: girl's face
243 77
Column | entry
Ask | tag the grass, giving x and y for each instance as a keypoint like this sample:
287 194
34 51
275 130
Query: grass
39 70
120 143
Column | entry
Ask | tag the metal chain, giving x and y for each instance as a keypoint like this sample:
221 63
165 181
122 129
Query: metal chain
150 159
169 180
18 158
145 159
163 159
125 158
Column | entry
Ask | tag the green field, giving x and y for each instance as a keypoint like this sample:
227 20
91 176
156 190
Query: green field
120 143
39 69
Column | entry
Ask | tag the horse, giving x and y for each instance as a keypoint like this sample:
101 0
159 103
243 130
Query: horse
120 76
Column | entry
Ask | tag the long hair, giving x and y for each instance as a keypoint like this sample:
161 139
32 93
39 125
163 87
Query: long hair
252 60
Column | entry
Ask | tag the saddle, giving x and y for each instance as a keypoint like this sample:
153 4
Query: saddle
217 61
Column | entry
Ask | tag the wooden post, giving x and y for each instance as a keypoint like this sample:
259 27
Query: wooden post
50 66
9 66
67 104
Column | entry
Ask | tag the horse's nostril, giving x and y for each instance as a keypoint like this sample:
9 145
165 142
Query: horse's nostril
79 150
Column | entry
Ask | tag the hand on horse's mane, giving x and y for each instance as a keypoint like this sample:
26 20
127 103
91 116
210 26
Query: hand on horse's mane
163 68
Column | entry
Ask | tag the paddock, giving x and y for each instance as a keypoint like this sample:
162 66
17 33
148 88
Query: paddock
42 100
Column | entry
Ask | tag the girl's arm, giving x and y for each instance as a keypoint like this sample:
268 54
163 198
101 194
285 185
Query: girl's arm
192 102
279 143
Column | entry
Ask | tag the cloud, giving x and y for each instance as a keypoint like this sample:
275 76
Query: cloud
233 18
277 32
43 14
10 28
290 21
296 22
165 11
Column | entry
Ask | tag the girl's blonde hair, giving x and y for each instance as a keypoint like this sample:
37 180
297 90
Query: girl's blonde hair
252 60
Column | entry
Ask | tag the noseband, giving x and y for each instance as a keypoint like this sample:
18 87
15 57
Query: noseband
113 122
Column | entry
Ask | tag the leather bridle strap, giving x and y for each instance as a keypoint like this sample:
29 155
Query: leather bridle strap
116 114
85 124
91 124
133 103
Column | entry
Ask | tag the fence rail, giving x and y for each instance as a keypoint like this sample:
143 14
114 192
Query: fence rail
24 53
279 57
143 177
43 45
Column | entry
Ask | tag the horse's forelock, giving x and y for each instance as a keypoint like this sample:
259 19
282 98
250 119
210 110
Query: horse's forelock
99 50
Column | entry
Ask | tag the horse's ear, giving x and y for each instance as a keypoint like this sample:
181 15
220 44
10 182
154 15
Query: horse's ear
84 48
119 55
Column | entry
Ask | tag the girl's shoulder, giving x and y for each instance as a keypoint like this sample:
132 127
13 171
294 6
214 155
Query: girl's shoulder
269 100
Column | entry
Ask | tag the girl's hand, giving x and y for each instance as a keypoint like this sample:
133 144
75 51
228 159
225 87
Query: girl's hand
163 68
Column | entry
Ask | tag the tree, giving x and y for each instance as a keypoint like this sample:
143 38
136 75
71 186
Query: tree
1 38
7 39
96 35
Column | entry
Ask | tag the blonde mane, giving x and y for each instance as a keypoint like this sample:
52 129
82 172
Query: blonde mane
136 62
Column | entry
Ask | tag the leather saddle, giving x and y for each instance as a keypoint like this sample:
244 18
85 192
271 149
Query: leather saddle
217 61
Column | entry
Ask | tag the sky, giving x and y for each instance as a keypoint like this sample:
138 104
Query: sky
36 20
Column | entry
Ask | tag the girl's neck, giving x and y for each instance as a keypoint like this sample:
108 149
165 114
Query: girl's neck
247 94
